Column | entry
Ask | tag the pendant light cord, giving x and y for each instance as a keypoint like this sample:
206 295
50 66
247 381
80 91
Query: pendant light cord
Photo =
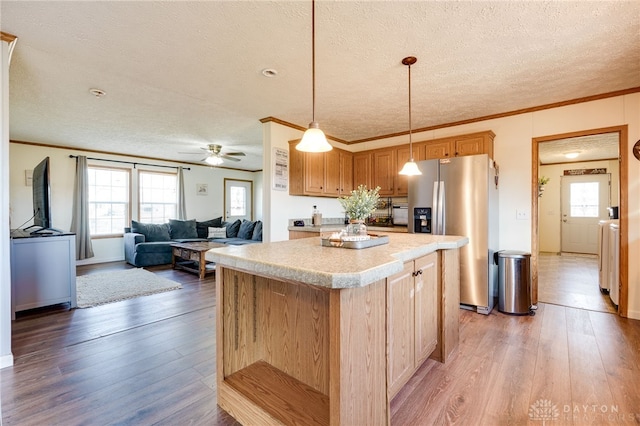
410 142
313 60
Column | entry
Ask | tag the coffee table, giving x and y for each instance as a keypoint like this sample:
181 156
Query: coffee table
190 257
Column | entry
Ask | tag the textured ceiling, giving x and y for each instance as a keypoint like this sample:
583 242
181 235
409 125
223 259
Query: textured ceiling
592 147
180 75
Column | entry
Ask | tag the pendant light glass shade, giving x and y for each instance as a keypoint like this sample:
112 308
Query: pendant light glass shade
313 139
410 168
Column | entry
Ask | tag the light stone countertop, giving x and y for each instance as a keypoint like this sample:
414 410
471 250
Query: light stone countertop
306 260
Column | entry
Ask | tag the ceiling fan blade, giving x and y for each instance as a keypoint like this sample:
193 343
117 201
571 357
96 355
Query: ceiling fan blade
235 153
189 152
226 157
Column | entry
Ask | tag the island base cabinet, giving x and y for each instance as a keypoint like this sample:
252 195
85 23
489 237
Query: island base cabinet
292 353
412 319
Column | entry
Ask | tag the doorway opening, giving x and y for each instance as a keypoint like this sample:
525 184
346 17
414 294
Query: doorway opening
238 200
566 211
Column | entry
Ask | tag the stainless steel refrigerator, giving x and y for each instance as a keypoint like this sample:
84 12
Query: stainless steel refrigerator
459 196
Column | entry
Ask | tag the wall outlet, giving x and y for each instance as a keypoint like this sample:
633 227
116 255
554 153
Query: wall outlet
522 215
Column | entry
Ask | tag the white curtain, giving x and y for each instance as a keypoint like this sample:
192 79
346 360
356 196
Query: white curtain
182 203
80 217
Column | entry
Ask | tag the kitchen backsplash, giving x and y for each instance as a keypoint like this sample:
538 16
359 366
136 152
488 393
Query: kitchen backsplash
382 216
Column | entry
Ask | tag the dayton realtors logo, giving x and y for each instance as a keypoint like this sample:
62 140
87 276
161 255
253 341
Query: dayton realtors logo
544 410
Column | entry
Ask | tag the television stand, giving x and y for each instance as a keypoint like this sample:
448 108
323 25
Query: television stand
43 270
45 231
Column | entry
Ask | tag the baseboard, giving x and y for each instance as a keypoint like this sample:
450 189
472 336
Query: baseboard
633 314
6 361
93 260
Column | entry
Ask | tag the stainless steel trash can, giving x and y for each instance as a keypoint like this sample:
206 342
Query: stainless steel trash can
514 282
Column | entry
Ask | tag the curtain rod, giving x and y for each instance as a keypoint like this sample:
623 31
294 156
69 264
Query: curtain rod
131 162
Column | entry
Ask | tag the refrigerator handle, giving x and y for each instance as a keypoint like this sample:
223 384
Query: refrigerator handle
435 215
441 198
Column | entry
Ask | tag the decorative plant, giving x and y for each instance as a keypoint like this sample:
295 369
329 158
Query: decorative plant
361 203
542 181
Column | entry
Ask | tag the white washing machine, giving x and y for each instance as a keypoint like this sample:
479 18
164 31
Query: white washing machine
613 267
603 253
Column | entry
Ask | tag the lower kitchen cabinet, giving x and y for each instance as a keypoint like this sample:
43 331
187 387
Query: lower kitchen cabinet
412 319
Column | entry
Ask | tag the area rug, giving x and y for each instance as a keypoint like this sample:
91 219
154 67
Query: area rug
107 287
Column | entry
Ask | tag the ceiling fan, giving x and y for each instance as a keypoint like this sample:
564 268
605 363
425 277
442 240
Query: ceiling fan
216 157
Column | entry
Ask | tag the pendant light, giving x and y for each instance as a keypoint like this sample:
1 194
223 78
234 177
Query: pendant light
313 139
410 168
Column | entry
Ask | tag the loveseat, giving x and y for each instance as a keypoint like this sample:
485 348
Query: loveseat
147 244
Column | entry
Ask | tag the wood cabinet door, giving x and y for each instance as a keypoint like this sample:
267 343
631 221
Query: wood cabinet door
296 170
403 154
346 173
471 146
426 306
400 334
437 150
313 172
362 169
384 166
332 172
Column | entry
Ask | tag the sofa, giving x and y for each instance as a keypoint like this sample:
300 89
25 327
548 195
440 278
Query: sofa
147 244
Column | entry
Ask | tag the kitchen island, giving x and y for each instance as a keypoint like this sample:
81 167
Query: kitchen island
307 334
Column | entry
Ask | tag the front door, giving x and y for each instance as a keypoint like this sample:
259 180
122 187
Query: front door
238 196
584 202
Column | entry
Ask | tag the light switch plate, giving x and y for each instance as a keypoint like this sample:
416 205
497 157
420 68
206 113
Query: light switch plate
522 215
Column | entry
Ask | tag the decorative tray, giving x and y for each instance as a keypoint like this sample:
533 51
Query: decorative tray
375 240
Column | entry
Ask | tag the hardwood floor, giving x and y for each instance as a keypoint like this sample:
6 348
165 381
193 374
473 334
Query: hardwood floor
572 280
151 360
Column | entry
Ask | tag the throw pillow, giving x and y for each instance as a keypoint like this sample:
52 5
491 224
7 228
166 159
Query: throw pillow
246 229
257 232
217 233
232 229
181 229
152 231
203 227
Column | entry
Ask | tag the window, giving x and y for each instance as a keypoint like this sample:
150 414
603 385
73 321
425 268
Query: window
158 196
108 200
238 198
584 199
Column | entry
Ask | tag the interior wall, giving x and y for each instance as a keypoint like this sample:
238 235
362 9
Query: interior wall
549 219
26 157
6 358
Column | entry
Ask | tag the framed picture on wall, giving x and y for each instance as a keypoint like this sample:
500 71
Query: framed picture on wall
202 189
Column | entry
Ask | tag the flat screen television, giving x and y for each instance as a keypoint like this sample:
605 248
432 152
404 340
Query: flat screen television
42 197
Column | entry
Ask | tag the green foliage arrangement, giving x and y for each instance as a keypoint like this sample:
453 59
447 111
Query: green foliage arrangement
361 203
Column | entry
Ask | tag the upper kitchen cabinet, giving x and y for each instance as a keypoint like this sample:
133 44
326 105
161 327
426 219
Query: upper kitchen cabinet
328 174
362 169
384 171
458 146
387 163
338 172
346 173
